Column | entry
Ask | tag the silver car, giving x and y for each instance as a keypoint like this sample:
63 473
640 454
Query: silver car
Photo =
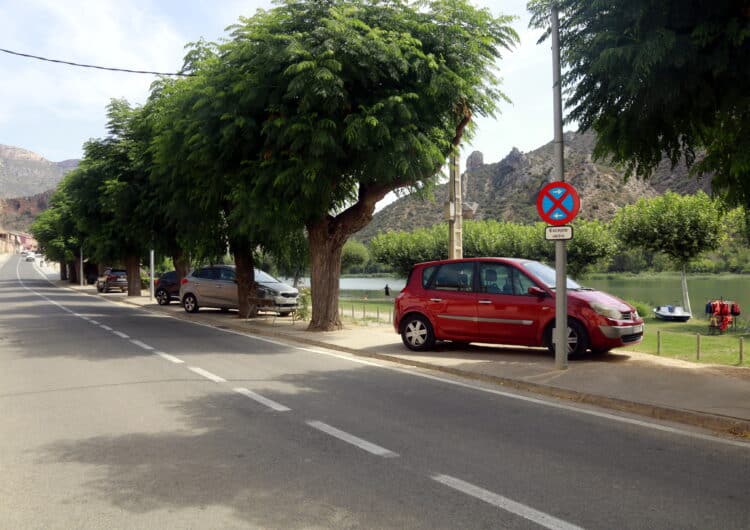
216 286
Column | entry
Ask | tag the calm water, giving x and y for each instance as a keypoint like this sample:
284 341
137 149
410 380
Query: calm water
653 290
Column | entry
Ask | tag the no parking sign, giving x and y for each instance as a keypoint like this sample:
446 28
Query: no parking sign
558 203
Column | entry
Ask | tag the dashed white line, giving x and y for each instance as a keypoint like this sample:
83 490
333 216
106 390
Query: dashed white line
121 334
263 400
208 375
94 322
354 440
170 358
105 327
141 344
540 518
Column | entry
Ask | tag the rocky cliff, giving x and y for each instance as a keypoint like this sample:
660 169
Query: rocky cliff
24 173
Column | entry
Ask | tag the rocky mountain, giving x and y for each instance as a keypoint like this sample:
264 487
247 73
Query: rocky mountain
19 213
24 173
507 190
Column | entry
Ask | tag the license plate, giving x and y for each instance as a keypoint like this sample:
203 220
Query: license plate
638 328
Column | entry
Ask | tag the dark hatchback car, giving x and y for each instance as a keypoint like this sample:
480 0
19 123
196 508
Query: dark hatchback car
112 279
507 301
167 288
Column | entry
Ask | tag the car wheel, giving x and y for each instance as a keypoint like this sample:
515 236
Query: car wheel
578 339
190 303
417 334
100 287
162 297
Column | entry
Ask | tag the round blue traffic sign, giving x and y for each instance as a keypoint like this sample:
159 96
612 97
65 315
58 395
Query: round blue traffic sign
558 203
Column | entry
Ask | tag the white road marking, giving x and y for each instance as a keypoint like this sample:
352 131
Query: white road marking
170 358
141 344
354 440
208 375
106 327
121 334
263 400
94 322
540 518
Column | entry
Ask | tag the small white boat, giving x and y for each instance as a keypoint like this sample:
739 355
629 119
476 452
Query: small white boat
673 313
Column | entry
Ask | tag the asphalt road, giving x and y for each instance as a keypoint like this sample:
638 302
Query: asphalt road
113 417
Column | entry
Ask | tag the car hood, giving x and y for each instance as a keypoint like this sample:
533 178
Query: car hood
279 287
600 297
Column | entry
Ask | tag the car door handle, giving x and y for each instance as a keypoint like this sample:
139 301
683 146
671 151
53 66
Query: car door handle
436 299
485 301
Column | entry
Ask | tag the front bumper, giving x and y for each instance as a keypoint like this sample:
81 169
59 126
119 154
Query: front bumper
624 334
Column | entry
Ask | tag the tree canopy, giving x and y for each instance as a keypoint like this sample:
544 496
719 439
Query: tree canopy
660 77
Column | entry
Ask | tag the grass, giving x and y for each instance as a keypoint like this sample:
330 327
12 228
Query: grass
679 341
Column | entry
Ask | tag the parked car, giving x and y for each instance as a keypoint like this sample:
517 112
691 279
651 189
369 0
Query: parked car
112 279
167 288
30 256
507 301
216 286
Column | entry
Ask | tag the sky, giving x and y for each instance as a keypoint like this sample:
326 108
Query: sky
52 109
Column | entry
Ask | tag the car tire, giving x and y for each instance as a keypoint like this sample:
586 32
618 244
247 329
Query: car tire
578 339
100 287
162 297
417 333
190 303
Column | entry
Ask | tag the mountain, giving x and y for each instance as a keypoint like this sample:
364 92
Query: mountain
19 213
507 190
25 174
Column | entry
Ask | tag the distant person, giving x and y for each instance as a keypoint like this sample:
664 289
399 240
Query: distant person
387 290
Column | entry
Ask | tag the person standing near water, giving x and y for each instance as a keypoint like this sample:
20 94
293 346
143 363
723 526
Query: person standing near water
387 290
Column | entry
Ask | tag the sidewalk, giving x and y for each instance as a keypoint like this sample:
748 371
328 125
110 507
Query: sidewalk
707 396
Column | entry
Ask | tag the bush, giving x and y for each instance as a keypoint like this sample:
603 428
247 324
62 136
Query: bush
644 308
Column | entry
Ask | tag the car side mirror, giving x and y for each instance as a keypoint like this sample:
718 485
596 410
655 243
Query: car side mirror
537 291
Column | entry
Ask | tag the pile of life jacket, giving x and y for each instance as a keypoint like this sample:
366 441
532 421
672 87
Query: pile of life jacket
722 313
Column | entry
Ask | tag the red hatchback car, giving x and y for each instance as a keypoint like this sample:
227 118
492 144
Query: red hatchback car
507 301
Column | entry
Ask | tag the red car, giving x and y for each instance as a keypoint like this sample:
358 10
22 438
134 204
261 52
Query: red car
507 301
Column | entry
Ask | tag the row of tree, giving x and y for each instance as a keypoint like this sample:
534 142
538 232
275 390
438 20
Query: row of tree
295 126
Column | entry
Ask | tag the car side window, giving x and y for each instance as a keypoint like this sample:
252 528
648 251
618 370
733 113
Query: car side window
454 277
495 278
227 275
427 275
208 273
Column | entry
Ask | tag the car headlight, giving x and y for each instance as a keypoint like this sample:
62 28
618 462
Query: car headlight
606 311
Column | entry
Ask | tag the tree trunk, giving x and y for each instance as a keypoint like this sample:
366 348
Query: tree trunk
325 269
63 271
245 263
180 263
133 266
73 271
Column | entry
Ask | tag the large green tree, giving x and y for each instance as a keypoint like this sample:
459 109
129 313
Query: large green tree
318 109
661 77
682 227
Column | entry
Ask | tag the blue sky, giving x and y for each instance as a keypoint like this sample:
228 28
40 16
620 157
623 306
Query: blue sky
53 109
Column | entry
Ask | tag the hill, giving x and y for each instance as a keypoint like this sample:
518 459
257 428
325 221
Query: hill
24 173
507 190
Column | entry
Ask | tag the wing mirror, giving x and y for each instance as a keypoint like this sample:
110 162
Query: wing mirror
537 291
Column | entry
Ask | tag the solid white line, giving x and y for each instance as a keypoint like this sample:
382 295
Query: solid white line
208 375
540 518
263 400
170 358
354 440
121 334
141 344
94 322
106 327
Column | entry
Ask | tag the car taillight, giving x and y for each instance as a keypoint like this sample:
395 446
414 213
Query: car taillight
156 282
183 281
111 278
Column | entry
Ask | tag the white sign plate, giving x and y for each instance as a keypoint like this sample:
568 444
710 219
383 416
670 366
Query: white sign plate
556 233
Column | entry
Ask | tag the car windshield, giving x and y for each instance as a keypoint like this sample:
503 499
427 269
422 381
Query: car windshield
547 275
264 277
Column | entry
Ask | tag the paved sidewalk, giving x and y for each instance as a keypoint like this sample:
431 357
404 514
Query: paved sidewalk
707 396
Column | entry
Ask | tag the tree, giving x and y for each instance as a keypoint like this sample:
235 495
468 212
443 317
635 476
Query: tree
354 255
318 109
661 77
681 227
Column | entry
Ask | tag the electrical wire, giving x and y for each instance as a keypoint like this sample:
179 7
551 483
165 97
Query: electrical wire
59 61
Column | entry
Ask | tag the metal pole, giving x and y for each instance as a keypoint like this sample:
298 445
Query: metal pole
561 291
80 268
151 277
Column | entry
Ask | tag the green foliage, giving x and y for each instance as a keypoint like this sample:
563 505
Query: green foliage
303 309
681 227
660 77
354 255
402 250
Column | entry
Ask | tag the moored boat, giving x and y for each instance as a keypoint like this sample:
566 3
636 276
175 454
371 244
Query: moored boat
672 313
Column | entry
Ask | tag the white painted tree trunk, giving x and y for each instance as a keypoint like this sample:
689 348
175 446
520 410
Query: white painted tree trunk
685 297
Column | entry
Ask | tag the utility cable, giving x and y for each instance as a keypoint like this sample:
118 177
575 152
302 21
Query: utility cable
184 74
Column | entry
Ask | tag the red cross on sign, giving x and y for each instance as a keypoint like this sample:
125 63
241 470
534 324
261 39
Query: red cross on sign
558 203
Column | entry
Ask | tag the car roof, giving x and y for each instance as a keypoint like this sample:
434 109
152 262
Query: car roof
471 260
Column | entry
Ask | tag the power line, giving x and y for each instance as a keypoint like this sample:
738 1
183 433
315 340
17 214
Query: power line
93 66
